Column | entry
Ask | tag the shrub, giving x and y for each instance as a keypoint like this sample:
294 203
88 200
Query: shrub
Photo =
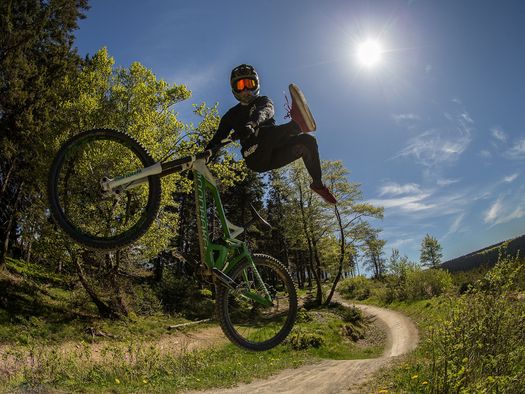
146 301
480 347
357 288
424 284
347 314
300 340
413 284
183 295
303 316
353 332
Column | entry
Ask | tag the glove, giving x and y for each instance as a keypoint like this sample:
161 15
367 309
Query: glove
252 129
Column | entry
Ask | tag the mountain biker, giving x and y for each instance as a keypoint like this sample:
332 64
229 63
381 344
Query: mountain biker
265 145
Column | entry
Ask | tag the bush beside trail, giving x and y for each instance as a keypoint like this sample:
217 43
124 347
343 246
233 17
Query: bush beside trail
473 342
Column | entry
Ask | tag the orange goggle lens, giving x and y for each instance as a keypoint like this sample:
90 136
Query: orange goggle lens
246 83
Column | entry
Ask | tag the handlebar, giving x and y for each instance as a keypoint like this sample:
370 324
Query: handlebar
184 163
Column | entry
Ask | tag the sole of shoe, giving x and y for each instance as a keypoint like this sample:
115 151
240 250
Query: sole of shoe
298 97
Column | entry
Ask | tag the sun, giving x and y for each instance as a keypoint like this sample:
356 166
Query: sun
369 53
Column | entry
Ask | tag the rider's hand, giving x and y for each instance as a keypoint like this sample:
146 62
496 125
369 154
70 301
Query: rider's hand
251 129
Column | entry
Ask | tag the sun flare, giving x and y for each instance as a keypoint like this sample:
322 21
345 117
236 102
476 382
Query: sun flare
369 53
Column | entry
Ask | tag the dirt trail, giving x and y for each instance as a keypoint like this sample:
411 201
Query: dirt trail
340 376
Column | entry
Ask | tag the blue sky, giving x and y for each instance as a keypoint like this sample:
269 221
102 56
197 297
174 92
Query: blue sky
434 132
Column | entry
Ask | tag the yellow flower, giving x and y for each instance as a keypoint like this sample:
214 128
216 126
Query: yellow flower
425 382
383 391
415 377
145 381
117 381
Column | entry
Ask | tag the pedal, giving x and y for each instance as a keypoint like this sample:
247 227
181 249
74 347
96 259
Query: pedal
223 278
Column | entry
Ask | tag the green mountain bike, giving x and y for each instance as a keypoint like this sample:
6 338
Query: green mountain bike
104 192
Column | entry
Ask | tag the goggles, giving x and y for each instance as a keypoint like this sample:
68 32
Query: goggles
245 83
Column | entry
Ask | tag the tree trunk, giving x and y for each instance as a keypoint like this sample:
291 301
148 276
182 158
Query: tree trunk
104 310
317 273
9 227
116 286
341 256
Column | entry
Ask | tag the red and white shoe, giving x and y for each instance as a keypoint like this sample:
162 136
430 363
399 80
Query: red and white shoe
299 112
325 194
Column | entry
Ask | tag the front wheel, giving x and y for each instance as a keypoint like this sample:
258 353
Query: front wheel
246 319
77 202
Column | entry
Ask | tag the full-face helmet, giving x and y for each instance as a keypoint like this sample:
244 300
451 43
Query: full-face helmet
244 82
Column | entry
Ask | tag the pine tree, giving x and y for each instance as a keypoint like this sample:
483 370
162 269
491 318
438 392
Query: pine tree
36 58
430 252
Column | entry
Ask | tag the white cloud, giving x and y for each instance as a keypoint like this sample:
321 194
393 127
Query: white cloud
431 148
505 211
397 189
517 151
467 117
441 145
405 117
511 178
495 210
498 134
400 242
446 182
407 203
455 226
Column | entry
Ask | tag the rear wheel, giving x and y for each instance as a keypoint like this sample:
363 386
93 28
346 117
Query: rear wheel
77 202
251 324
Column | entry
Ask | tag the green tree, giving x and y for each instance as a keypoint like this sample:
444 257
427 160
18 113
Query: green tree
135 101
351 214
36 59
374 254
430 252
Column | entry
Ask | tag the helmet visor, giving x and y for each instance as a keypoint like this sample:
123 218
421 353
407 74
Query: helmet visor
245 83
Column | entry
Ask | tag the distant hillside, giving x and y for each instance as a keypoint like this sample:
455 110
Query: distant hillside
487 256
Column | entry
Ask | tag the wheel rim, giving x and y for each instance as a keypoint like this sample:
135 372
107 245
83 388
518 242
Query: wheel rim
251 321
81 202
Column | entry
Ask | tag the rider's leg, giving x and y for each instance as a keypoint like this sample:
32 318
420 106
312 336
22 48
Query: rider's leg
272 153
301 146
268 157
271 137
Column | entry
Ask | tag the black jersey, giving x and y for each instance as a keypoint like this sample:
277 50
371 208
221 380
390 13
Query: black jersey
260 111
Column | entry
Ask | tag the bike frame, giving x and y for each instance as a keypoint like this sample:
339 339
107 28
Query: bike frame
222 254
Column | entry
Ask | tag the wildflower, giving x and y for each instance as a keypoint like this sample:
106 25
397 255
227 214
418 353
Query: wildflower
415 377
383 391
145 381
117 381
425 382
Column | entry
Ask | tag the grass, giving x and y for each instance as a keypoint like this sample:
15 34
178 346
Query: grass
46 344
137 366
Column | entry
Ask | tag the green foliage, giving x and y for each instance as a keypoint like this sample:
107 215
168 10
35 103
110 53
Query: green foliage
303 316
300 340
480 347
347 314
478 343
35 272
36 59
183 295
356 288
353 332
412 283
431 253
